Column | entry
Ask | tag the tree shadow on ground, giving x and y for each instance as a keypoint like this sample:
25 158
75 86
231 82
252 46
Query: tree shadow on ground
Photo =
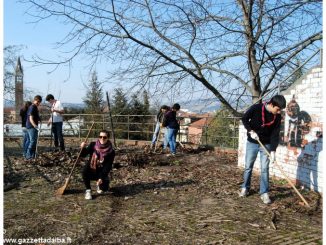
11 178
74 191
134 189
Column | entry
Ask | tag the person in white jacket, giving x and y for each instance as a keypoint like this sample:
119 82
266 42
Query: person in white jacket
56 121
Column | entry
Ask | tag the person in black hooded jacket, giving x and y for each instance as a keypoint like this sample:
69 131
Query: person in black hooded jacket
263 122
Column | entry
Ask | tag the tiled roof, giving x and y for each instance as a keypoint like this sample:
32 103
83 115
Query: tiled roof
201 122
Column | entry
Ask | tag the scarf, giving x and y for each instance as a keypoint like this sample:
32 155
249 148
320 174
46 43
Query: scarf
263 116
100 151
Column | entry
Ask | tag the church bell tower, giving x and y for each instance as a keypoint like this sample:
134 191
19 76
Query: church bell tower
19 86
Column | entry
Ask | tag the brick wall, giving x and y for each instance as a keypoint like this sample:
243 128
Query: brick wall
300 153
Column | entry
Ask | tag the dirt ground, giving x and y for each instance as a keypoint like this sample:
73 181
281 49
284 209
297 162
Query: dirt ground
191 198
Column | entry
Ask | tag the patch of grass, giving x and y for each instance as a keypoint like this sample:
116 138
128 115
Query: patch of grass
279 182
228 226
75 218
176 162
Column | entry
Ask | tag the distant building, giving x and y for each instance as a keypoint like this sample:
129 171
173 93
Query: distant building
192 126
19 86
196 129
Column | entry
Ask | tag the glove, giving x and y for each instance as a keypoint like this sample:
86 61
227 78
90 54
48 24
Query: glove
272 158
253 135
82 145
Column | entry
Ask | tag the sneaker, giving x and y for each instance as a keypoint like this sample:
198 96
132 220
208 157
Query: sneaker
170 155
244 192
98 189
265 198
88 195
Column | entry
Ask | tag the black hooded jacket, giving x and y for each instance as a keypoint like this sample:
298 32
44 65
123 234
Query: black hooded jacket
268 134
107 163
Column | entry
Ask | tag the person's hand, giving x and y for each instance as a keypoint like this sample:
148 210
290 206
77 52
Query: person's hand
49 123
83 144
52 110
37 128
272 158
99 181
253 135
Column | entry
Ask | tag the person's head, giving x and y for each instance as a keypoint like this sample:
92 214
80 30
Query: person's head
277 104
49 98
37 100
164 108
104 136
26 105
176 107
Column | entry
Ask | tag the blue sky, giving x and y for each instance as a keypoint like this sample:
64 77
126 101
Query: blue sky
39 39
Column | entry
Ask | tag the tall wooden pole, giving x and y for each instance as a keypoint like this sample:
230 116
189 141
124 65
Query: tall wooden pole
111 121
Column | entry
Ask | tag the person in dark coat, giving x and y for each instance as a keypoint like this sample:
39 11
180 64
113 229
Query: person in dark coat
32 122
23 115
263 122
172 127
101 157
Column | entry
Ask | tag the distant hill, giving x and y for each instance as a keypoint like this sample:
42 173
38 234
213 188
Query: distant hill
200 105
195 106
74 105
11 103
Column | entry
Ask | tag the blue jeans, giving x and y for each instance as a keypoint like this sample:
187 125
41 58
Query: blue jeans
156 133
170 138
25 141
58 136
32 136
251 155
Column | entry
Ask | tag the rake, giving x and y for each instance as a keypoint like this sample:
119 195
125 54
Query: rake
285 176
62 189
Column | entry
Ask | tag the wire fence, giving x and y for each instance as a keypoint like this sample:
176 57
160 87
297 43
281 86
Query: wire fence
215 131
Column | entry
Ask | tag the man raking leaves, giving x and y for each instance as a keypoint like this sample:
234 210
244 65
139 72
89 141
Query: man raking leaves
263 123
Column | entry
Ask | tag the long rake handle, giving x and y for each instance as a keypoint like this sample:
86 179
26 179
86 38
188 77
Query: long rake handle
285 176
73 167
158 138
37 141
51 140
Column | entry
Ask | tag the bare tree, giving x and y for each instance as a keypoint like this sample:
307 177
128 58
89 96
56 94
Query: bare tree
237 50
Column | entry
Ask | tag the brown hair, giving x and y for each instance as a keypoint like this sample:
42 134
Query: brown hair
106 132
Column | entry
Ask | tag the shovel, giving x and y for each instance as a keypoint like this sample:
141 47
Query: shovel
62 189
288 180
